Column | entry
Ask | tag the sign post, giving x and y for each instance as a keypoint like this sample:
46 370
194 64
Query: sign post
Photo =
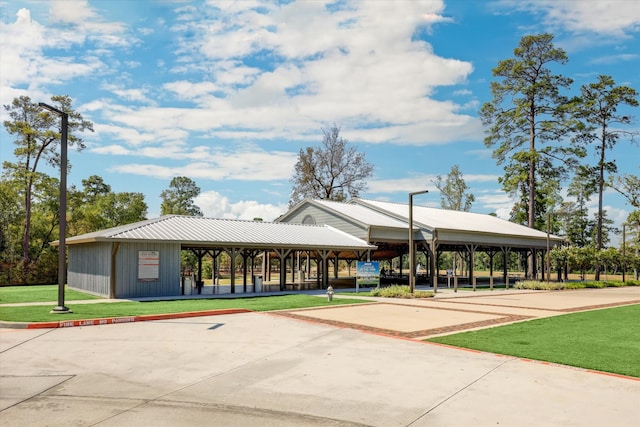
367 273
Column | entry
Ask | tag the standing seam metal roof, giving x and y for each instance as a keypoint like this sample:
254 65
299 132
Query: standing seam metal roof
208 231
362 214
445 219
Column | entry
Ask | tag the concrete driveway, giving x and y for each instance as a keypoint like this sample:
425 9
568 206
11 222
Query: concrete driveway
275 370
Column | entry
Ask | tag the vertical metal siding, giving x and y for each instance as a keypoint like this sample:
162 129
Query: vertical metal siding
127 284
90 268
323 217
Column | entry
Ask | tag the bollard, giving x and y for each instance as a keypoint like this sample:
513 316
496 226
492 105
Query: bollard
330 293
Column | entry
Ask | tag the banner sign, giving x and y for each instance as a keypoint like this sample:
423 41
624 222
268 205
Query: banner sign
368 273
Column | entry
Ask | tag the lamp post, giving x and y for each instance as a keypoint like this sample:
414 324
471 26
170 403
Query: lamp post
412 249
548 266
62 212
624 254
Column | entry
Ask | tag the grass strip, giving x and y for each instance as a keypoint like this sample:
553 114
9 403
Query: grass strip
118 309
39 293
605 340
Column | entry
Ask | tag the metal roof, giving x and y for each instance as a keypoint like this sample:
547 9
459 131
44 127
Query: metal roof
362 214
201 231
443 219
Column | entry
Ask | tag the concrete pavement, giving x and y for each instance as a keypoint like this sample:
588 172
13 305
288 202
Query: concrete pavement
274 369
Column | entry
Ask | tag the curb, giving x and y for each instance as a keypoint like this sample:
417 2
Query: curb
116 320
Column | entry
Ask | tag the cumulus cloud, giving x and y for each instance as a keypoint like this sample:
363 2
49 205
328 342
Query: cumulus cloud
25 63
213 204
344 71
246 163
618 18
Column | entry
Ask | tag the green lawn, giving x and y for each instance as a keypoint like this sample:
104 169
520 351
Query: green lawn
41 293
605 340
117 309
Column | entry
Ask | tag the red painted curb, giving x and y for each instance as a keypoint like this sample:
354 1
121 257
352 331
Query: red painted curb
129 319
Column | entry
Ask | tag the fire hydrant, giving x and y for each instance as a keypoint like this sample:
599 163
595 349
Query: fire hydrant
330 293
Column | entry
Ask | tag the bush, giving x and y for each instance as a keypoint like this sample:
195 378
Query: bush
398 291
556 286
539 286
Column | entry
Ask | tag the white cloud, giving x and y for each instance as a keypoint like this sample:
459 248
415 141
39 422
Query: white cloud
215 205
614 59
618 18
480 178
87 23
407 185
344 71
497 201
25 43
135 95
247 163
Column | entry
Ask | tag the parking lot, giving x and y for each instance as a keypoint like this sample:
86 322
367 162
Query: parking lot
334 366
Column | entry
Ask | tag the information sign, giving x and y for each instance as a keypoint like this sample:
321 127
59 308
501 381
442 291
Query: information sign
148 265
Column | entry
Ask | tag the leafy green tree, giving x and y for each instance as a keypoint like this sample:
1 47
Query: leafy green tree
94 187
600 126
178 199
123 208
629 186
526 118
574 216
454 193
559 256
632 241
333 171
610 259
11 216
581 259
37 136
96 207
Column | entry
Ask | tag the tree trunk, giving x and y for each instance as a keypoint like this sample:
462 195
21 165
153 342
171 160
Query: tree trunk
600 196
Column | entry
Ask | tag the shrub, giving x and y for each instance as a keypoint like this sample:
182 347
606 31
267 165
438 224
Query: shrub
398 291
594 284
539 286
554 286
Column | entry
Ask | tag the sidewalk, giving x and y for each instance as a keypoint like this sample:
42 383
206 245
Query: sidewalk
451 312
446 313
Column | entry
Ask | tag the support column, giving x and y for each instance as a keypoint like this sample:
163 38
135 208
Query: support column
282 255
325 268
200 253
232 268
505 268
472 250
433 260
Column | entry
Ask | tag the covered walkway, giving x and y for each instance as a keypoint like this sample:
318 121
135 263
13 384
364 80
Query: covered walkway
435 231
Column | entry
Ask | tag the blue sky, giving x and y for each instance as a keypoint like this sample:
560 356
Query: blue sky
227 93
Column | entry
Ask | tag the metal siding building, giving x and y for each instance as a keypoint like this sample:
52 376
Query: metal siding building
434 230
126 272
108 262
90 267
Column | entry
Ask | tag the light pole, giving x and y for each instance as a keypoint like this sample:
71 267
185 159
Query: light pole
62 212
548 266
412 249
624 253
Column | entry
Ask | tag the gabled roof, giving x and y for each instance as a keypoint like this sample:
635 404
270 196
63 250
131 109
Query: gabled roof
201 231
361 214
443 219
